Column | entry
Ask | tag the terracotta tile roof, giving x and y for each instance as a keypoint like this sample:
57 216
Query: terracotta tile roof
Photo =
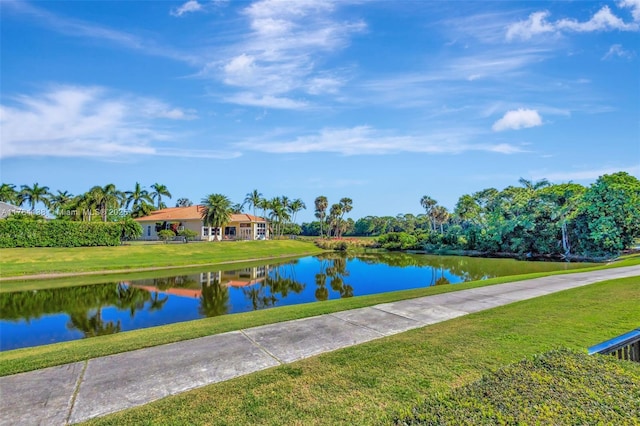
191 213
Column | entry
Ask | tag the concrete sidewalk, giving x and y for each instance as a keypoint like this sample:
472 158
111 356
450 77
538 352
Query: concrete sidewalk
80 391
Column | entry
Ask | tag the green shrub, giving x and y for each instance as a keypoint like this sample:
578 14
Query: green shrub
398 241
557 388
166 235
188 234
58 233
131 229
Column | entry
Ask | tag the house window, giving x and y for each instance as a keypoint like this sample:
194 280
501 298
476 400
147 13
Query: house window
230 231
205 231
148 230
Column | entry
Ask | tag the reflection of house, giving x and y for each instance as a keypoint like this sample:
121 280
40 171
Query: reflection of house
240 227
236 278
181 292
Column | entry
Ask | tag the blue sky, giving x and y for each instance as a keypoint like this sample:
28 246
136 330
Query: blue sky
379 101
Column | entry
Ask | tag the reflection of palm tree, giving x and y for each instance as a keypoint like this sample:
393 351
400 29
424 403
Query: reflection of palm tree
156 304
321 283
442 281
337 271
258 298
130 297
214 300
92 325
347 291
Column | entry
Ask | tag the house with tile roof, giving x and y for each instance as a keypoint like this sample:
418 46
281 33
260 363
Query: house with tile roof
7 210
240 227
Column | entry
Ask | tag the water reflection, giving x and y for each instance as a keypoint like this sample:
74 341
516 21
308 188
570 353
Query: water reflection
37 317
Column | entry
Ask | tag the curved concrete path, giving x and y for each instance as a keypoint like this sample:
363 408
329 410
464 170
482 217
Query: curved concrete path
80 391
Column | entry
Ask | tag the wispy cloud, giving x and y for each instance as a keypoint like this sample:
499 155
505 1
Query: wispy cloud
617 51
365 140
518 119
91 30
266 101
603 20
278 57
74 121
188 7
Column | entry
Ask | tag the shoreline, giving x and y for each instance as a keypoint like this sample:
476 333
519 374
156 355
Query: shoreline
55 275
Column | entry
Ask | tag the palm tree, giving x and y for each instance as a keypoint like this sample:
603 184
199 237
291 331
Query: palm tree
138 196
346 205
33 195
8 193
334 219
81 207
158 191
279 213
237 208
107 198
253 199
57 201
184 202
216 212
533 186
321 204
264 205
428 204
440 216
141 210
295 206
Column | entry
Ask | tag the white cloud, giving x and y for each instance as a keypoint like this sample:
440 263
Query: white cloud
75 121
634 5
536 24
266 101
188 7
603 20
617 50
322 85
280 54
365 140
518 119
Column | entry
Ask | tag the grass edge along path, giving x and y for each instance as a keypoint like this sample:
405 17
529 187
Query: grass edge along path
378 381
33 358
19 263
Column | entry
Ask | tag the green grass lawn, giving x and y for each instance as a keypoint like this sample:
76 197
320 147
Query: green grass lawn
379 381
15 262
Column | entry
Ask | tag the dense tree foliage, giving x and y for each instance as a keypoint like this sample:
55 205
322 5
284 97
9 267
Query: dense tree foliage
531 219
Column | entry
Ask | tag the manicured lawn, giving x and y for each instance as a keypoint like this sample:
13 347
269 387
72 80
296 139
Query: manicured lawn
381 380
28 261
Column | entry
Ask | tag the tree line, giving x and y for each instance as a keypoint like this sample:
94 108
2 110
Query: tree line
533 218
105 203
109 204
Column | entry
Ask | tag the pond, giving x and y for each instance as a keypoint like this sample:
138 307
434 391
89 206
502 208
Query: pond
39 317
